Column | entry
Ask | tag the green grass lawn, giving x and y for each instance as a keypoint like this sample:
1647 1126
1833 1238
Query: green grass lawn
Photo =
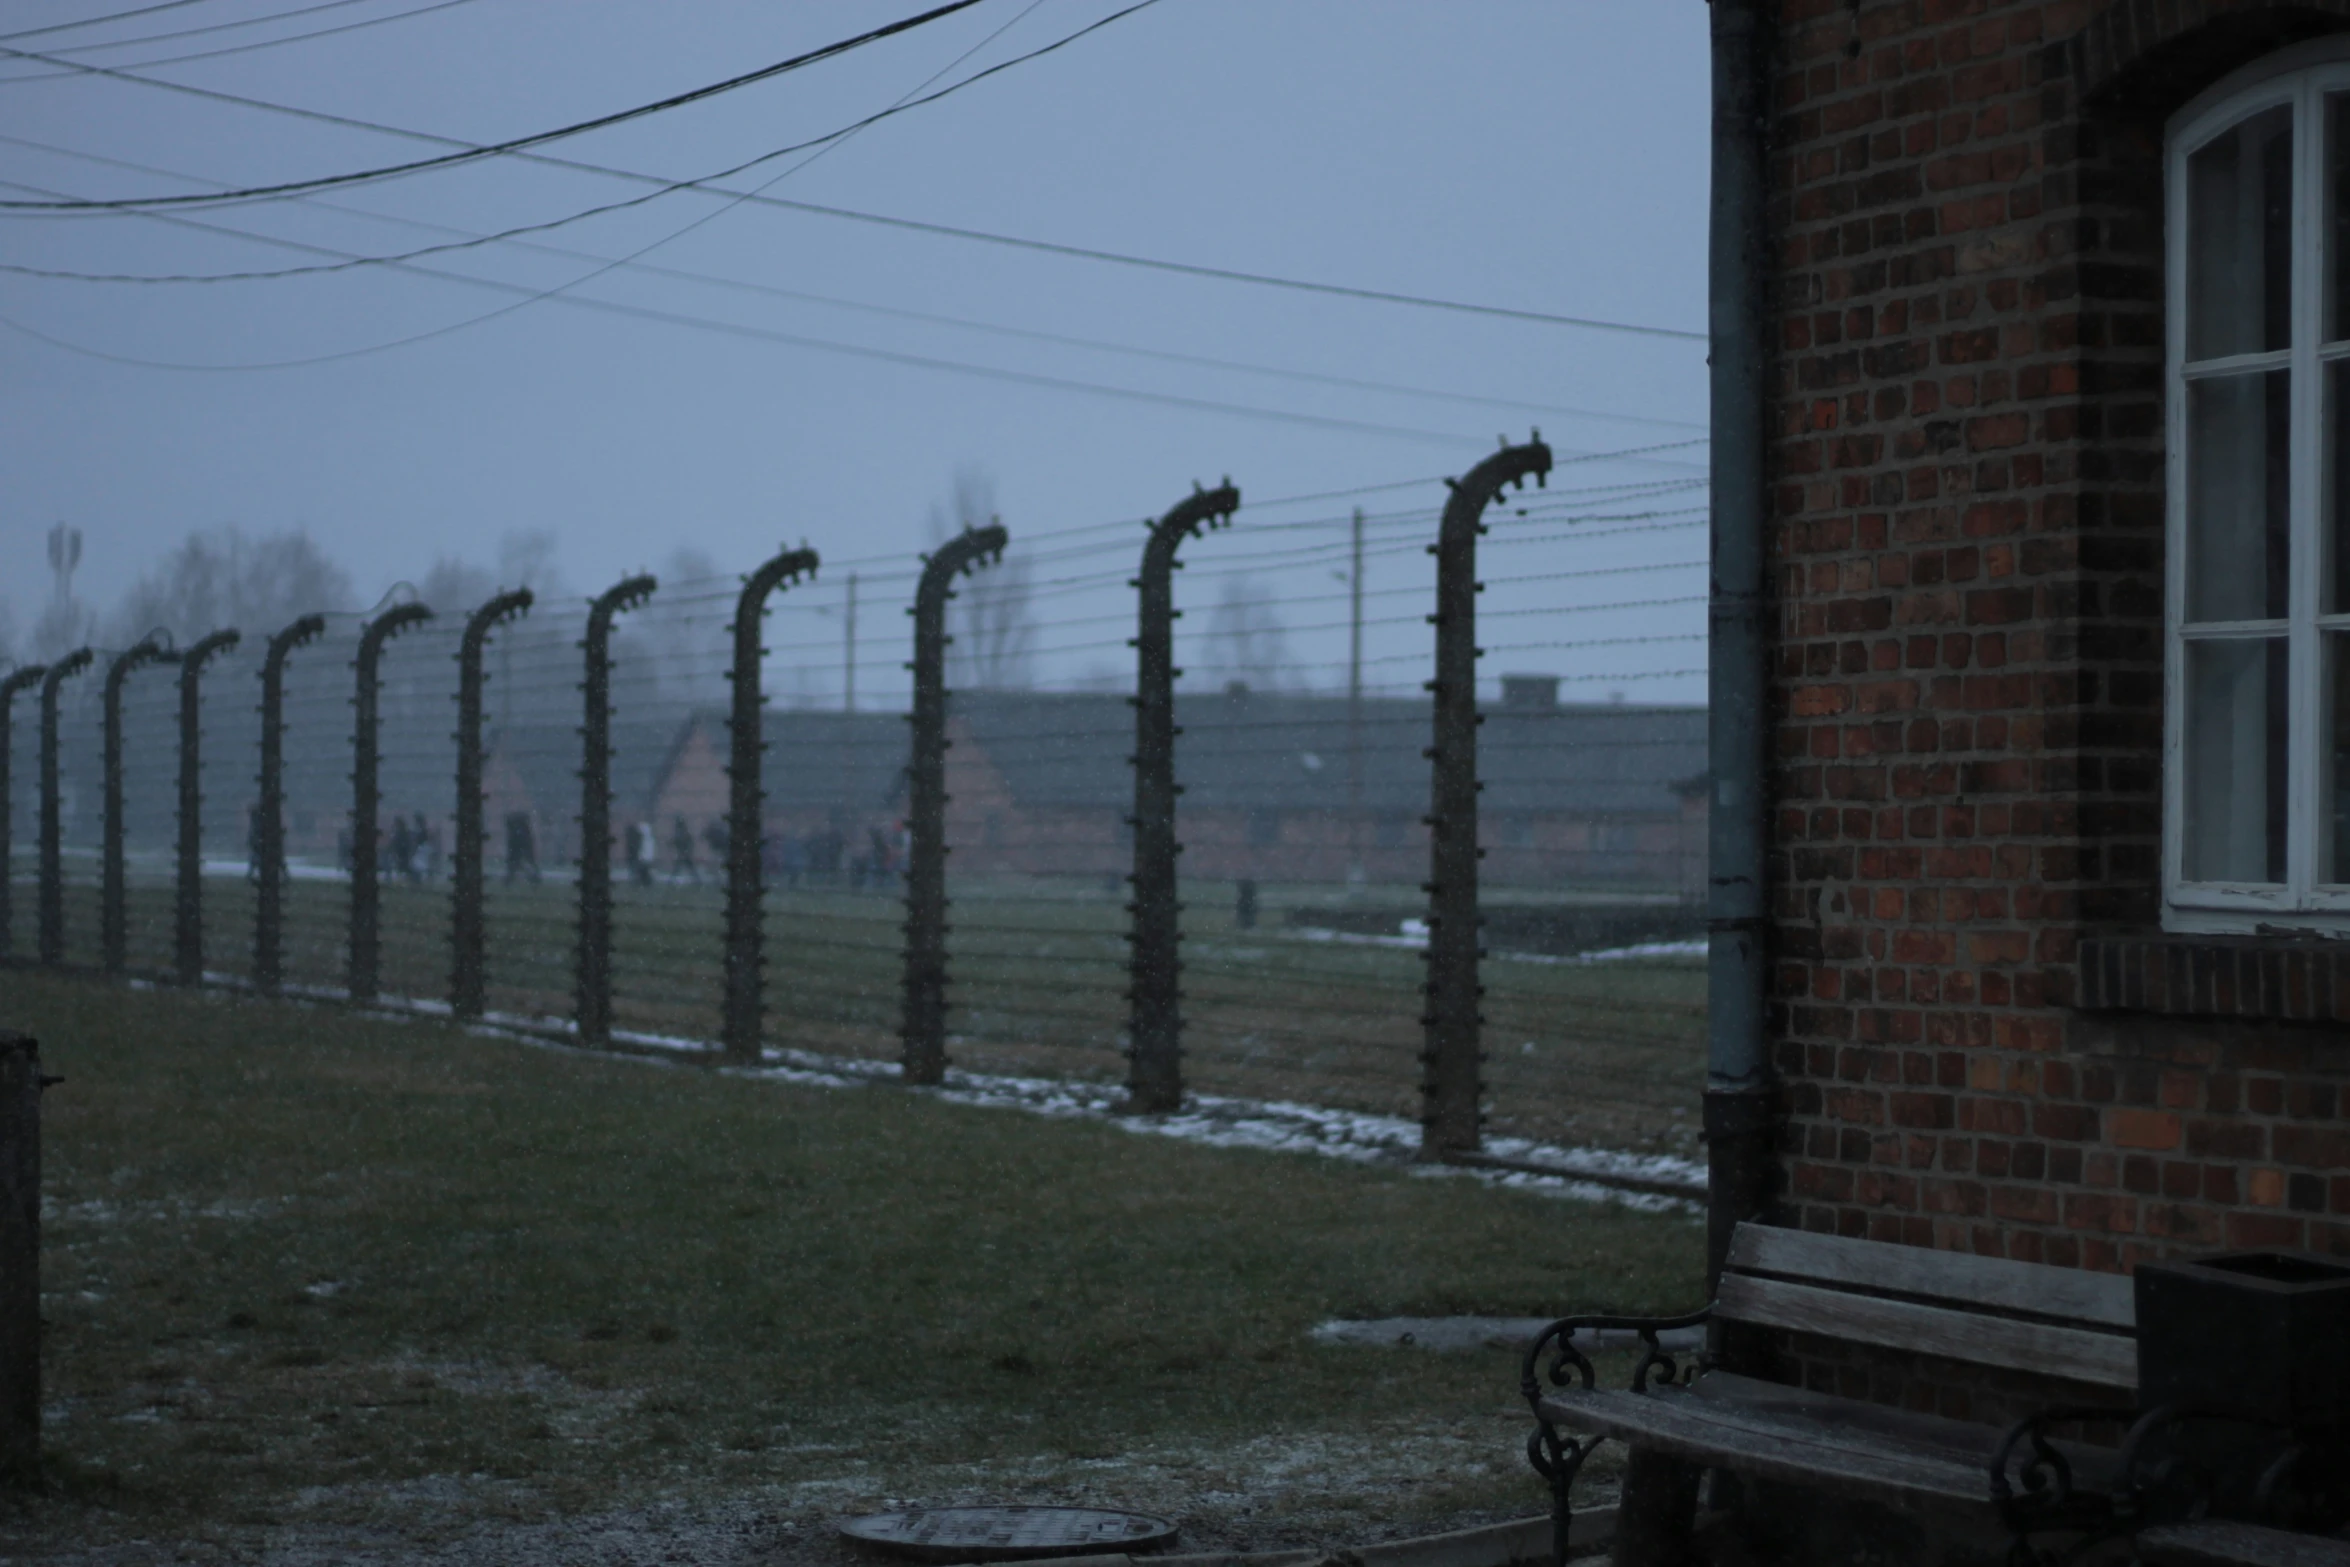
1609 1054
301 1263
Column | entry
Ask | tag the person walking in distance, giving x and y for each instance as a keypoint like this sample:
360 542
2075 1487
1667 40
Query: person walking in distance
640 853
522 848
403 849
681 853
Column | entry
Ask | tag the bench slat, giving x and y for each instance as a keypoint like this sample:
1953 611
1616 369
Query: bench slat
2105 1299
1773 1444
2212 1543
2075 1354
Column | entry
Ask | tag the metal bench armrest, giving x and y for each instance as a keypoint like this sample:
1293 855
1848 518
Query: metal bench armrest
1556 1457
1559 1339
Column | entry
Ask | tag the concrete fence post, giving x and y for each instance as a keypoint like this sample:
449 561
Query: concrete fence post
925 1024
362 970
746 807
52 889
1154 1042
10 684
113 874
187 910
592 1006
1450 1110
267 832
468 986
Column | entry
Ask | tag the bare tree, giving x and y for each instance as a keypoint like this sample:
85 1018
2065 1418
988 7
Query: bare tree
453 586
673 654
1246 640
994 617
220 577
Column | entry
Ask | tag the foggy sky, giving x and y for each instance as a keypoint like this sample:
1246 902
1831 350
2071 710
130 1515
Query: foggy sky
1548 156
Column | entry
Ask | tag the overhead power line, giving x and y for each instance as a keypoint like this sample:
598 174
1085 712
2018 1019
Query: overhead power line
853 215
209 28
703 323
248 48
474 154
527 297
98 21
470 240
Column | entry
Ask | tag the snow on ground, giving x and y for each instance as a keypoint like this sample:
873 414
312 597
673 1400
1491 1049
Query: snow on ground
1220 1121
1415 938
1213 1120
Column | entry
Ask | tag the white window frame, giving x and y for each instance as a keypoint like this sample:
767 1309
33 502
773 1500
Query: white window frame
2301 77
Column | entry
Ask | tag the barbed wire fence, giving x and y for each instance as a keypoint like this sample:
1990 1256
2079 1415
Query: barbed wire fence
1308 930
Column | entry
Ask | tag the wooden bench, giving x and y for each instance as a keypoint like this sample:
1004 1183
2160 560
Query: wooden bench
1680 1418
2216 1543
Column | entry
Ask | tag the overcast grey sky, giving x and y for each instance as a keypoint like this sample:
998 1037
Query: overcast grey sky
1543 156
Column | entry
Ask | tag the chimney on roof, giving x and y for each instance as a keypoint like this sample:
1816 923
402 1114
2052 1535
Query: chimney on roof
1530 693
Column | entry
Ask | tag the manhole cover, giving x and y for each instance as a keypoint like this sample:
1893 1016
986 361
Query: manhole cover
1003 1534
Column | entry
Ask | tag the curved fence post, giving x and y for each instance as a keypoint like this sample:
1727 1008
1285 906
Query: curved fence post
10 684
925 1027
1154 1045
745 808
466 985
361 975
114 936
592 1005
52 809
1450 1089
267 831
188 901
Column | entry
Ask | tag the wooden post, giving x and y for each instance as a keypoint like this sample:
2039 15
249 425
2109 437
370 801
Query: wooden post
20 1253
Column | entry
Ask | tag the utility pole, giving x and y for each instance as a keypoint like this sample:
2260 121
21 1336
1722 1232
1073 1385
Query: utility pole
848 640
1354 708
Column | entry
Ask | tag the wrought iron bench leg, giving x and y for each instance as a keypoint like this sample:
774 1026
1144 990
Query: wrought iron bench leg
1558 1459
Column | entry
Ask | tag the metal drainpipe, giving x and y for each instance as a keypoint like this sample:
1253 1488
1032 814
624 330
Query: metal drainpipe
1738 1095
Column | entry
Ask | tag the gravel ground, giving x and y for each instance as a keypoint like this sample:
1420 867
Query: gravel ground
1273 1493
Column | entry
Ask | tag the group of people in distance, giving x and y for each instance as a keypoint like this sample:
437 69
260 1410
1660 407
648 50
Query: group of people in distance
823 857
410 850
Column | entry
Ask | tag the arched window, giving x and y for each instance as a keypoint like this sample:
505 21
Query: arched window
2257 756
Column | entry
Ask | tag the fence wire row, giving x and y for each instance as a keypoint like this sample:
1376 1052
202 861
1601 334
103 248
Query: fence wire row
1322 814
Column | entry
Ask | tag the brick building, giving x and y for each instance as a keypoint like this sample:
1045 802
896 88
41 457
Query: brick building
2059 866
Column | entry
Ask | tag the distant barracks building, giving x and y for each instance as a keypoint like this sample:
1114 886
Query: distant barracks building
2060 861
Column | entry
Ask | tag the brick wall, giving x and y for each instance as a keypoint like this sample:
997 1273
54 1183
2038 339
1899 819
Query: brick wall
1967 698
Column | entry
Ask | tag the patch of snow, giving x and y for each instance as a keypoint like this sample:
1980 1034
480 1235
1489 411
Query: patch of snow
1415 938
1452 1334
